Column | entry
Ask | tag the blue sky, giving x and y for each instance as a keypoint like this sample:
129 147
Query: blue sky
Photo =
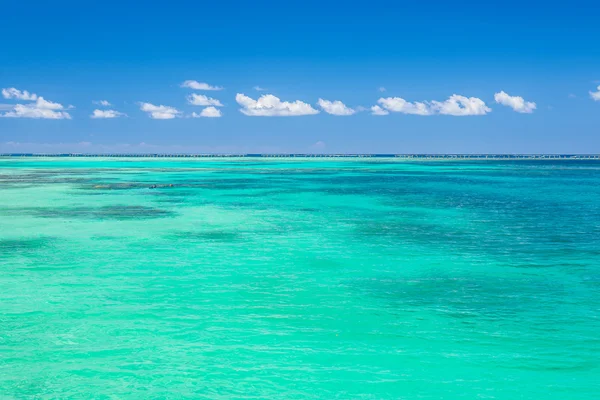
137 57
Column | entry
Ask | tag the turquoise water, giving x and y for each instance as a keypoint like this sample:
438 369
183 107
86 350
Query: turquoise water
252 278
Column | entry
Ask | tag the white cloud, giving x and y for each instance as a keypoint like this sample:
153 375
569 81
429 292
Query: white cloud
460 106
335 107
319 145
271 106
31 111
99 114
202 100
208 112
199 85
517 103
398 104
44 104
381 89
595 95
159 112
12 93
259 89
376 110
40 109
104 103
456 105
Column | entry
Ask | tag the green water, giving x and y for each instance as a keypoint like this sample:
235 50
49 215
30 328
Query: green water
252 278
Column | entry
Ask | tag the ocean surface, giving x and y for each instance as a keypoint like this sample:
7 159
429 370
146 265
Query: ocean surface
299 279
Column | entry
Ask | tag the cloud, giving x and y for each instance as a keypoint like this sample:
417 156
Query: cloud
398 104
43 104
381 89
12 93
259 89
517 103
159 112
199 86
376 110
202 100
461 106
456 105
335 107
106 114
319 145
103 103
271 106
40 109
208 112
595 95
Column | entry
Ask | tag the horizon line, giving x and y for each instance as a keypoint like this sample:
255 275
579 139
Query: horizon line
551 156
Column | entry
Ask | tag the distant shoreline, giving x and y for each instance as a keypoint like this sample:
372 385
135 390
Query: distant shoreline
270 156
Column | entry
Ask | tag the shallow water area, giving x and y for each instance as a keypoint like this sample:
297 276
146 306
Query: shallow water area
299 278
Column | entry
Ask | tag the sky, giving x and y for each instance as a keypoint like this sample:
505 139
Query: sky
300 77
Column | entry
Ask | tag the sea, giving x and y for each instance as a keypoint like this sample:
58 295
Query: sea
297 278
